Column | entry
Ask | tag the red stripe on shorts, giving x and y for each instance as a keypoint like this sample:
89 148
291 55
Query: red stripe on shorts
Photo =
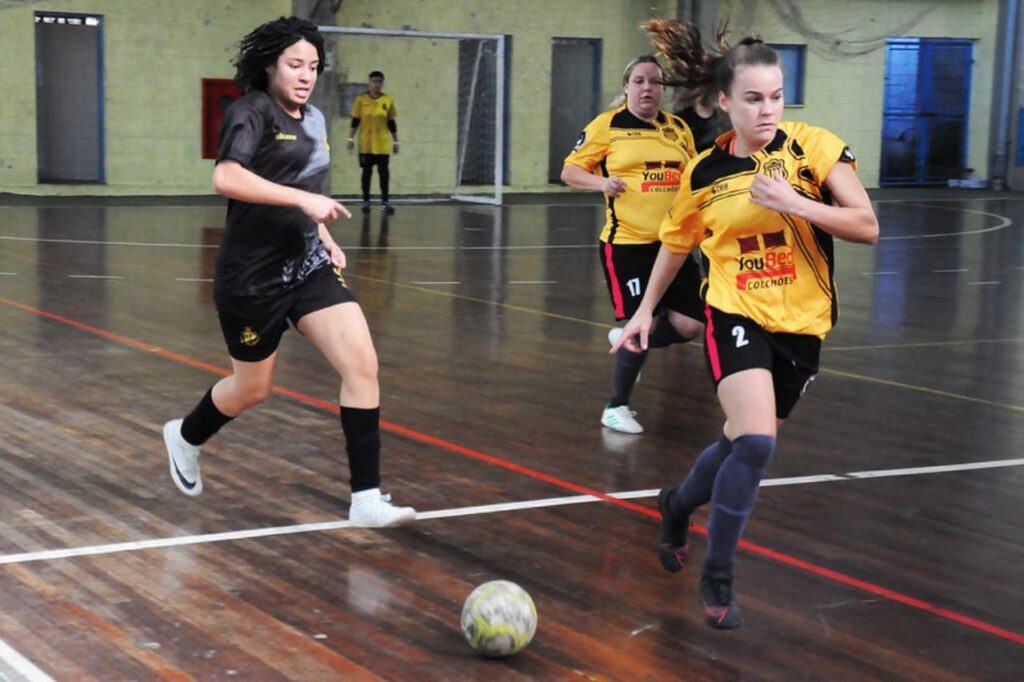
613 280
709 340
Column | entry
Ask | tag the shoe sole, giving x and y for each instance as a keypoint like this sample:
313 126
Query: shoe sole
179 481
403 520
719 618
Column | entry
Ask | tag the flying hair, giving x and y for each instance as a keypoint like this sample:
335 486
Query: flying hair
703 71
261 48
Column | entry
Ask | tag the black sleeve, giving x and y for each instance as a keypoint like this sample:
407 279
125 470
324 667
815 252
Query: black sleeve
392 126
241 131
355 123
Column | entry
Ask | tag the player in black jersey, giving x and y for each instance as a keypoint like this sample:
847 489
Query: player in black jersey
278 264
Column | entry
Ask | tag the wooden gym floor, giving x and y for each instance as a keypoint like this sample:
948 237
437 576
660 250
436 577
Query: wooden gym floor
887 542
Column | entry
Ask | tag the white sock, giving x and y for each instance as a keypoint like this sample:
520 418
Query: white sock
371 495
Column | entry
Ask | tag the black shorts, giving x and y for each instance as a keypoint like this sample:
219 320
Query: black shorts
627 269
371 160
733 343
253 326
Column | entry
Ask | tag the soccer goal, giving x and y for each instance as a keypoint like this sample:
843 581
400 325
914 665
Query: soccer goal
450 99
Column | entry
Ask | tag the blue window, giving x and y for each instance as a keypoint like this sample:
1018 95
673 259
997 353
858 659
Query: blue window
793 59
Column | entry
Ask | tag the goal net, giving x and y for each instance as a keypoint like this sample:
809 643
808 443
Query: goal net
449 95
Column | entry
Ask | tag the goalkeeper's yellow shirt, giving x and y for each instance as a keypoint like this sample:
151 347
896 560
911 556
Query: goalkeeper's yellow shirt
373 114
648 156
772 268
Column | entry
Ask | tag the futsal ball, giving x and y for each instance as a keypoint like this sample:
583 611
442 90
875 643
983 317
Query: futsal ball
499 618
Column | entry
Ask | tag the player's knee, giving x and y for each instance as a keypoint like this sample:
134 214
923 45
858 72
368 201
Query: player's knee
754 451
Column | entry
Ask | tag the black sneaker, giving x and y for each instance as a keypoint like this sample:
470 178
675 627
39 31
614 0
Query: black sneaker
672 544
388 208
720 608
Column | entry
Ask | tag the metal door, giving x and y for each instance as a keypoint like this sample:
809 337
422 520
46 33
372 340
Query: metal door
927 96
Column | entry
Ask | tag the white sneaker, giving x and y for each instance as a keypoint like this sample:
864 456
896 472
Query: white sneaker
183 458
371 509
620 419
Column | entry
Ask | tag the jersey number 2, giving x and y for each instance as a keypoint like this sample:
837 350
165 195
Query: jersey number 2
741 336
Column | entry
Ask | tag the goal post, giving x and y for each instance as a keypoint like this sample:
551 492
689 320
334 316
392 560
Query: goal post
451 110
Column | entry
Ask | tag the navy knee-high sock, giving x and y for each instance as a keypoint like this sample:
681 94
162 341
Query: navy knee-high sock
733 496
695 489
624 374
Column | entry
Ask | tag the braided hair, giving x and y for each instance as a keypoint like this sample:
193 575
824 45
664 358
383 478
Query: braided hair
261 48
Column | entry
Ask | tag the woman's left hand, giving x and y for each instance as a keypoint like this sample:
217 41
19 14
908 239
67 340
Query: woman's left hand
775 193
336 255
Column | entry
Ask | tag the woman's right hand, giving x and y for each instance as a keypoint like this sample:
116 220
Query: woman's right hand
350 145
323 209
638 326
613 186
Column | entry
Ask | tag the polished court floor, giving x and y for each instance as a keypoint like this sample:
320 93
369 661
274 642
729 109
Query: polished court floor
888 540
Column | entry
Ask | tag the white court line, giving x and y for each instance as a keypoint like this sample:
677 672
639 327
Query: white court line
134 546
437 282
21 665
8 274
532 281
95 277
192 279
952 270
981 284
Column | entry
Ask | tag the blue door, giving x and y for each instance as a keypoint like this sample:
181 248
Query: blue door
927 88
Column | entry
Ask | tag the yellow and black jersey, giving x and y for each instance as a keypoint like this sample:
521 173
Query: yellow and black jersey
649 156
374 114
772 268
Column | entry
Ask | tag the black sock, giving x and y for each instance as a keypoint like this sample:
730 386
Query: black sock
734 495
624 374
203 421
361 427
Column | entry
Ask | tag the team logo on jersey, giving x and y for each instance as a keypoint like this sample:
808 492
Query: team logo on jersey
340 276
579 141
765 261
249 336
670 134
773 166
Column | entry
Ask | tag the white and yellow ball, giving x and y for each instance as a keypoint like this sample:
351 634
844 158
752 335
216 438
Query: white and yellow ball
499 618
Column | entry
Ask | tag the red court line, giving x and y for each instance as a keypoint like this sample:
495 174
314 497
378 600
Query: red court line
412 434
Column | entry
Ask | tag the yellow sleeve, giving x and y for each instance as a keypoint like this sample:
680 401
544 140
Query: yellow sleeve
591 146
391 110
824 149
682 227
356 107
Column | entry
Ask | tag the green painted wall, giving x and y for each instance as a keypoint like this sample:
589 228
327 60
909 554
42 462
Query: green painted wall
156 53
845 93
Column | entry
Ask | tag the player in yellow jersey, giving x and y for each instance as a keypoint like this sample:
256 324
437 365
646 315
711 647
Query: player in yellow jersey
373 115
763 204
634 154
